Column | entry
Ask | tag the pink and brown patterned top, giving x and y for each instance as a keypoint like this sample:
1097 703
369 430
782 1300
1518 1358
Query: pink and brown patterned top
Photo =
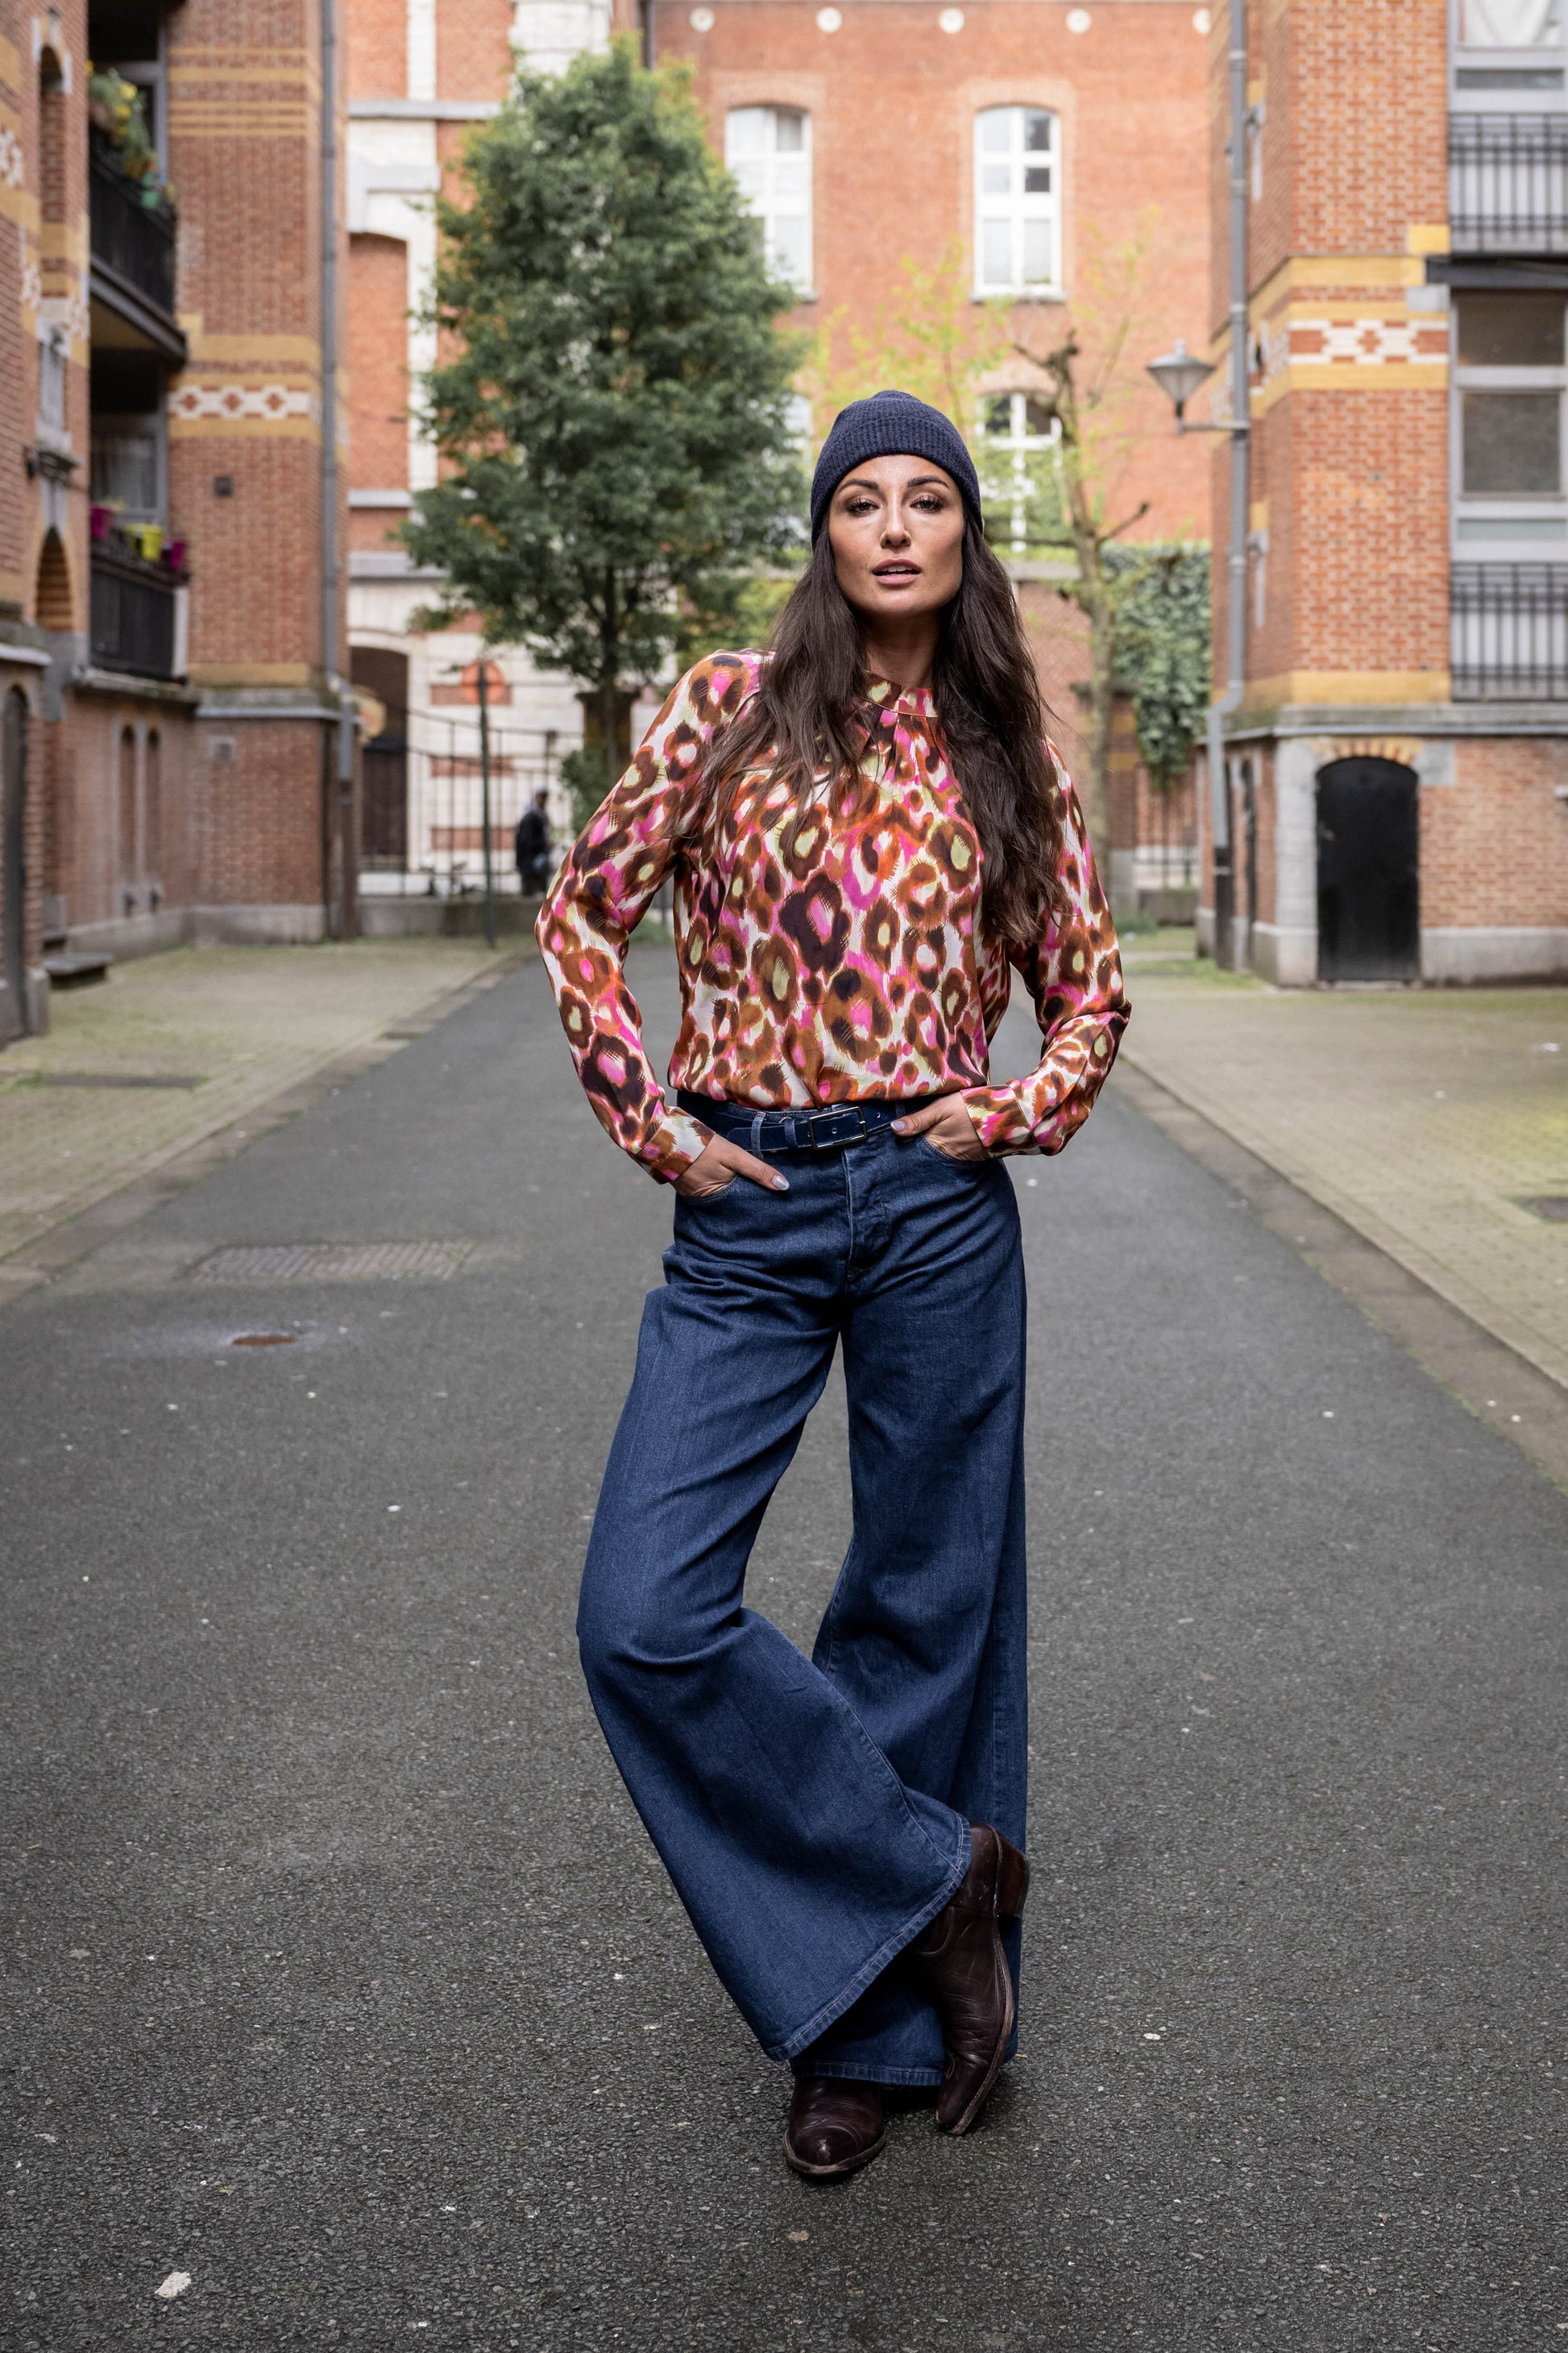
850 968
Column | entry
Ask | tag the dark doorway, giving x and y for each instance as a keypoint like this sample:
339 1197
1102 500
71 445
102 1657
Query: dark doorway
1369 867
383 822
13 863
1224 877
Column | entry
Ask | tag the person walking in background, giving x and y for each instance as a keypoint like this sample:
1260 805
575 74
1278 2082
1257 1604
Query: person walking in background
867 833
531 847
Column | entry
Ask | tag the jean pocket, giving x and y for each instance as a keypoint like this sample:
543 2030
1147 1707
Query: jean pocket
951 1159
708 1200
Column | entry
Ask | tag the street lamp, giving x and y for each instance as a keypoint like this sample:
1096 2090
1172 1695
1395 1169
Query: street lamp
1179 376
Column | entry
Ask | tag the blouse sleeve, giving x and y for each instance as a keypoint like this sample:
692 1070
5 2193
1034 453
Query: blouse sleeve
1073 972
601 895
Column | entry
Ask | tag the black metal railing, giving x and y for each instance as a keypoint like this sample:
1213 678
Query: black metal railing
133 610
133 239
1507 182
1509 629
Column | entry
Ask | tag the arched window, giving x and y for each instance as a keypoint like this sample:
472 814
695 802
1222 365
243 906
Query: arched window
1017 211
52 600
768 148
152 805
126 804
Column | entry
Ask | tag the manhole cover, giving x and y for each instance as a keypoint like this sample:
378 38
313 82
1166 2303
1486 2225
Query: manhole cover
1549 1204
333 1262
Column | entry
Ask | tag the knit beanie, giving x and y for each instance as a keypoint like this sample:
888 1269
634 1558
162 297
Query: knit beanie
890 425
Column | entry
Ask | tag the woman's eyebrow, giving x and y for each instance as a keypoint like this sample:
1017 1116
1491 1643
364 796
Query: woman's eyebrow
915 482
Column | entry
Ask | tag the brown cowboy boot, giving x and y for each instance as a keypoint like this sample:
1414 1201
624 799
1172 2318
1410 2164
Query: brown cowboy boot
833 2126
967 1974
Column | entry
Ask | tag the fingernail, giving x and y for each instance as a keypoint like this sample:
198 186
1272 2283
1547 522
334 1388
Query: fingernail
897 1125
780 1184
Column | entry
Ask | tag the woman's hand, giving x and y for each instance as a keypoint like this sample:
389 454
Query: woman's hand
717 1166
947 1128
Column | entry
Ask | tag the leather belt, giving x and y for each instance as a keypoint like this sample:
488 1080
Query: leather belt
833 1128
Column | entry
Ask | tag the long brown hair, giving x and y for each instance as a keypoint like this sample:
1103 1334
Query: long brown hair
809 717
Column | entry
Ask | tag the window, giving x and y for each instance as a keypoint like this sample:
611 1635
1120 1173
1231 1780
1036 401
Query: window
1016 210
1510 378
1019 478
768 148
1507 49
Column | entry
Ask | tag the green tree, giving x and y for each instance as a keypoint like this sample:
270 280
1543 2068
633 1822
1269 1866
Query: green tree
612 406
1162 652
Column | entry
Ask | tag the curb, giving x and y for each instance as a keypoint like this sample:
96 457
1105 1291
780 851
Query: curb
78 1236
1498 1386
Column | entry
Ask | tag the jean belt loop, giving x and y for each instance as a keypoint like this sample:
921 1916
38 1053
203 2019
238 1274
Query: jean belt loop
757 1135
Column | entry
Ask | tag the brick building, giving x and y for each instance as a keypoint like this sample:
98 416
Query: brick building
1013 139
1396 803
166 661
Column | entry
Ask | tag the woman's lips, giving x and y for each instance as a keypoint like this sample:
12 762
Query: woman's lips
895 573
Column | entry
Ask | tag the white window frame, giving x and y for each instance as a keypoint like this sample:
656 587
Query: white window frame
767 205
1014 447
1016 204
1486 528
1509 78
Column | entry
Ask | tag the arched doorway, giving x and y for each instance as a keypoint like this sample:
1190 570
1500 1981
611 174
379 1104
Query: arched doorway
13 863
1369 871
53 603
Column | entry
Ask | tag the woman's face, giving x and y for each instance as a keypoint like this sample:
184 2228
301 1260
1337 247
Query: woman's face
895 529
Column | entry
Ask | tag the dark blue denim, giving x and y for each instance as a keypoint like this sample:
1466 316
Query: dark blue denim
813 1814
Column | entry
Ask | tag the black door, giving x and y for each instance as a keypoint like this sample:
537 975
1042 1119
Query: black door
1368 863
1224 883
383 816
13 862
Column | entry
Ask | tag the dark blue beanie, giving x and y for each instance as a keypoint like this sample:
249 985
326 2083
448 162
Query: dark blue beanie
890 425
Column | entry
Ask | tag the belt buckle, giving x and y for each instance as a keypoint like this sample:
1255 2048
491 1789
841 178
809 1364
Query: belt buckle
837 1111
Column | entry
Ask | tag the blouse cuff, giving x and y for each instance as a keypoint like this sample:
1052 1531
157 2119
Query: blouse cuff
672 1145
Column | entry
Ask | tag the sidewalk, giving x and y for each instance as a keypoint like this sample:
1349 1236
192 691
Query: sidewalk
174 1048
1427 1120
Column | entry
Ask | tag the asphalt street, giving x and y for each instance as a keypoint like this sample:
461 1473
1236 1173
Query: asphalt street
340 1975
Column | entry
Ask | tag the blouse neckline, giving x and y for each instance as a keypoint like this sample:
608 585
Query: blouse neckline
908 701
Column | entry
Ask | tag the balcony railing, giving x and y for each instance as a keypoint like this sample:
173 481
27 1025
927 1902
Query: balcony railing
1509 632
1507 182
135 609
132 250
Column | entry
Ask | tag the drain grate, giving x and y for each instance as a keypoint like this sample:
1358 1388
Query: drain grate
333 1262
107 1079
1548 1205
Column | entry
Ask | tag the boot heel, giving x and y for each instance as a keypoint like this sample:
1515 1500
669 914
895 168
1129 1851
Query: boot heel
1012 1882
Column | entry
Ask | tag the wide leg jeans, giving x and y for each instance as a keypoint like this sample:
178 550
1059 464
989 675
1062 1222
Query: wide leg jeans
814 1813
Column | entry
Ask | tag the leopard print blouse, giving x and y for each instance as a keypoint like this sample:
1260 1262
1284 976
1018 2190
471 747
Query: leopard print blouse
849 967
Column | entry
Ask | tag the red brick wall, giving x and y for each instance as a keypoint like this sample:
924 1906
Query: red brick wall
260 815
1494 844
378 372
473 54
376 38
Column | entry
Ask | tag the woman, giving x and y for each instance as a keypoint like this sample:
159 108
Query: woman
866 829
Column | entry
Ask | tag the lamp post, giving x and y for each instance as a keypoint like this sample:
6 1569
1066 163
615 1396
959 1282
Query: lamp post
1179 376
485 794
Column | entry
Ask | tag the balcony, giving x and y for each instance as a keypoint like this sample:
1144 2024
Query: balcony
134 259
1507 182
1509 625
135 611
